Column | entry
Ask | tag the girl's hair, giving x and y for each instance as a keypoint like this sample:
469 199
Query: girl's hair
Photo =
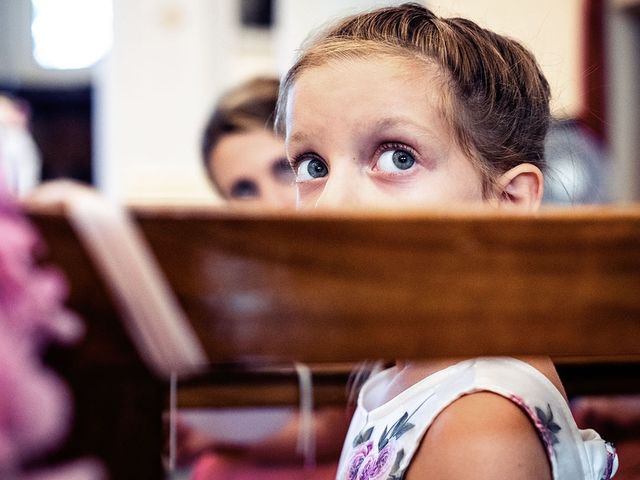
495 97
249 106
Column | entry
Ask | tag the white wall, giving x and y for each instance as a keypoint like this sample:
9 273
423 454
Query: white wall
153 93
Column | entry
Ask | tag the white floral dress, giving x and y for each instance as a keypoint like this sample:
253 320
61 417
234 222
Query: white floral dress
381 442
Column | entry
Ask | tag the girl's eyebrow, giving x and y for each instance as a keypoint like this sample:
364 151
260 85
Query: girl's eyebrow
381 124
391 122
298 137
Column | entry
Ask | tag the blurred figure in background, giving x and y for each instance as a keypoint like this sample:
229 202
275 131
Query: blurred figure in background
20 162
244 158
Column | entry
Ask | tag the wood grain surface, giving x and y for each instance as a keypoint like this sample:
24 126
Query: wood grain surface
356 286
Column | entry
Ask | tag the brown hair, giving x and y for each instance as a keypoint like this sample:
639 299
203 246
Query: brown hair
496 98
249 106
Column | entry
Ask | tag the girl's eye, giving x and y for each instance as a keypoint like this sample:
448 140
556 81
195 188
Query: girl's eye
395 160
311 169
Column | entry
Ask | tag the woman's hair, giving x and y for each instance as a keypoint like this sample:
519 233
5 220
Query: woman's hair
249 106
495 97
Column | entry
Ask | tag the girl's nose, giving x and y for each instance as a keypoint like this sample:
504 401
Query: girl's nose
279 196
340 191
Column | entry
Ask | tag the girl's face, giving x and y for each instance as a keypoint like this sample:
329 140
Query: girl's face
370 132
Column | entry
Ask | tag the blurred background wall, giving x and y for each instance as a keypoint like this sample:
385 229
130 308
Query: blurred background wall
130 123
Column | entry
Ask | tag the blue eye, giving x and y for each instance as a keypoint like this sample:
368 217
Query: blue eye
394 160
311 169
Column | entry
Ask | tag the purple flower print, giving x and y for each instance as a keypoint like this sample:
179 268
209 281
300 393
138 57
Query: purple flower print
368 464
357 459
380 461
378 467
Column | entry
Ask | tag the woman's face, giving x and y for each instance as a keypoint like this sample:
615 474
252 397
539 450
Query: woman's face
251 169
370 132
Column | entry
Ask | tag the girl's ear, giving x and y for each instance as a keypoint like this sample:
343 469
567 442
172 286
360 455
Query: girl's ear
521 187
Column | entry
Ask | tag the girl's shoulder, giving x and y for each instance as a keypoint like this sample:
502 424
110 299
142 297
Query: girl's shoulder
482 436
512 421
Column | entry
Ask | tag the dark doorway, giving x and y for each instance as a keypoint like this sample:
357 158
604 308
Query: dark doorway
61 127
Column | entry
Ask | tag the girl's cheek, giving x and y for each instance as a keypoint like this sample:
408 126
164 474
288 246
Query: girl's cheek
308 193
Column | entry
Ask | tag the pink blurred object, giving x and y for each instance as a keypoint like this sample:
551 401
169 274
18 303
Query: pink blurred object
81 470
212 466
35 406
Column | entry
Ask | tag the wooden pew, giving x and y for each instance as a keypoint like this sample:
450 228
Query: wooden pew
266 290
562 284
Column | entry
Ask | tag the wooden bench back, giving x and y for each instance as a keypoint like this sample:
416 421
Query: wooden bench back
335 288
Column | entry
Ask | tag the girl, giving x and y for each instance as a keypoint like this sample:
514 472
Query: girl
398 108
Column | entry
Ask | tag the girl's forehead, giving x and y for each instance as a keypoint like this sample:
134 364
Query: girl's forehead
373 68
357 89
